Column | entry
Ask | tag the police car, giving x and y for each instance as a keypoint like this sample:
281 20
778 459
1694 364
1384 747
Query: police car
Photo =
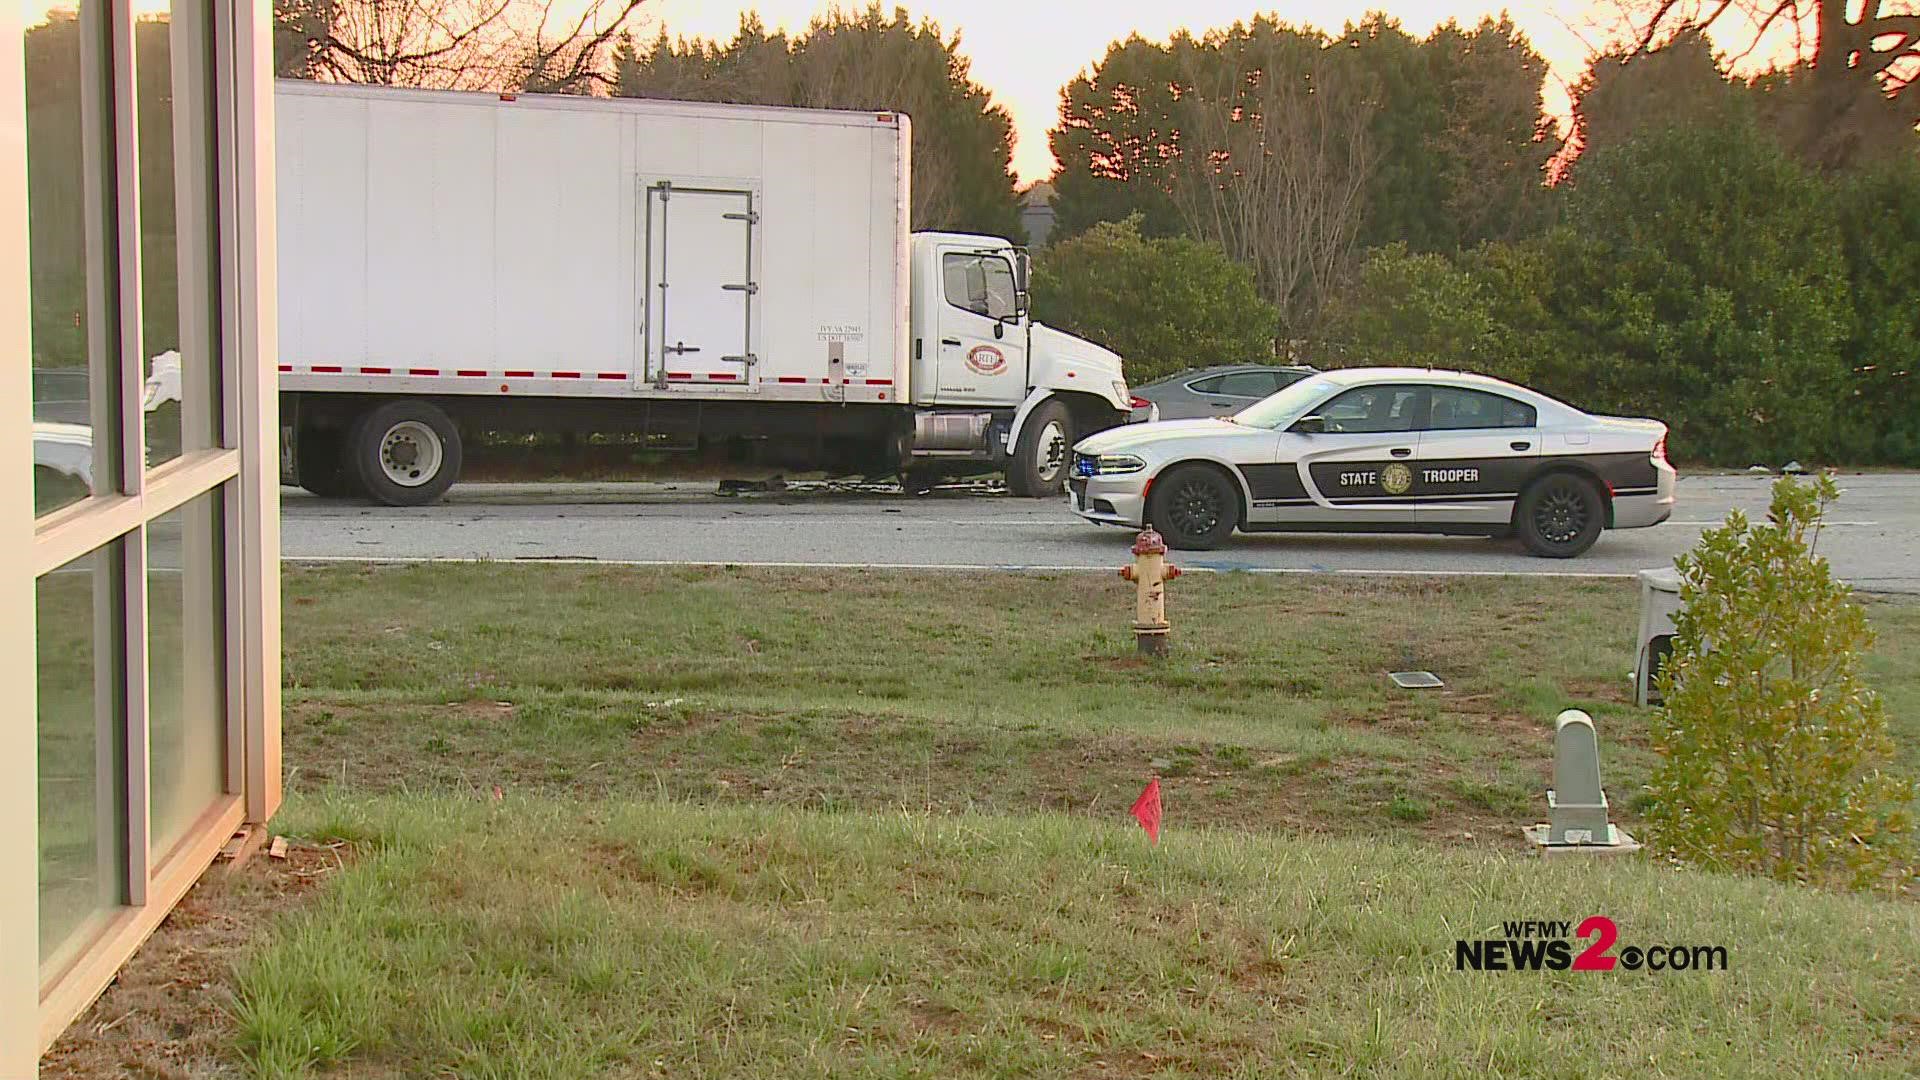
1383 450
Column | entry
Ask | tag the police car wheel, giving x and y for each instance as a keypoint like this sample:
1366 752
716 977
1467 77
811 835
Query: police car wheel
1194 508
1559 516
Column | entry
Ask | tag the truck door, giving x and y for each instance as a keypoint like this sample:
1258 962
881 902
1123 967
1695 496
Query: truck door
983 351
701 294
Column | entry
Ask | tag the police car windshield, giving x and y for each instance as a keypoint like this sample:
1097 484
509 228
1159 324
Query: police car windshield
1286 406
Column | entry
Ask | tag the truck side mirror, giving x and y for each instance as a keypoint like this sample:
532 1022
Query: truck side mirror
1022 275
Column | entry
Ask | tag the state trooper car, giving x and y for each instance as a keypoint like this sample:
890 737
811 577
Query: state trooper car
1383 450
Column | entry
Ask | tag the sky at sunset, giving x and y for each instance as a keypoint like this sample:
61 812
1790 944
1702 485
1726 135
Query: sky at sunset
1025 52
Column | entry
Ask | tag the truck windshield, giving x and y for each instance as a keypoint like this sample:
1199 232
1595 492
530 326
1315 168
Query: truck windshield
1286 406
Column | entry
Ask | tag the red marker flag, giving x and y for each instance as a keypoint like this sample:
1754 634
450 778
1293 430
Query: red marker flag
1146 809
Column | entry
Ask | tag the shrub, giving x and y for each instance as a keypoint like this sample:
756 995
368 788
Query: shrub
1771 746
1164 305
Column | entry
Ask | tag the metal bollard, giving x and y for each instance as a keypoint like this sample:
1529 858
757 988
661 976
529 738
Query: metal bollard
1150 573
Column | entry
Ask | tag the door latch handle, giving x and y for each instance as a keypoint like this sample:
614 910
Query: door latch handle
949 341
1401 451
1521 445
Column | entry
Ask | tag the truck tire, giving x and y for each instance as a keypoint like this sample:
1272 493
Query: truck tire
406 453
320 467
1194 507
1039 466
1559 515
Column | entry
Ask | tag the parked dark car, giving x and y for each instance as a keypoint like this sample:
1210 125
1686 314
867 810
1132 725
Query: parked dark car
1217 391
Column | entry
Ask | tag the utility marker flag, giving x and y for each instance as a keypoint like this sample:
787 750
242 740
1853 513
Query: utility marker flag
1146 809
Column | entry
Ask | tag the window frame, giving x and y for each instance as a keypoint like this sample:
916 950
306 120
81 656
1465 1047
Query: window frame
1423 396
980 259
1506 402
222 111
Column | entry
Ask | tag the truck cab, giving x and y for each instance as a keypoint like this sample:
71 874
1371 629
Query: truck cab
990 382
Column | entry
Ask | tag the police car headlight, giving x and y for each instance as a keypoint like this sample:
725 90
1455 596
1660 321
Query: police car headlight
1109 465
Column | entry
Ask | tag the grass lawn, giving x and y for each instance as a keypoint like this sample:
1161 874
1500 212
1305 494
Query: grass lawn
995 693
540 937
746 823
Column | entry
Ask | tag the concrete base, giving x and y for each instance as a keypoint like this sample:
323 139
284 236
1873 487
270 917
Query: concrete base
1618 842
1151 642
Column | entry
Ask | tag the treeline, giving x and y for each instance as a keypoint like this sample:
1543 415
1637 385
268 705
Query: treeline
1738 257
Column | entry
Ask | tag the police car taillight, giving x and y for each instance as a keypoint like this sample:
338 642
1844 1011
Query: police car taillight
1138 402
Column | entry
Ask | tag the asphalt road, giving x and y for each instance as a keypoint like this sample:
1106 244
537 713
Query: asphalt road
1873 536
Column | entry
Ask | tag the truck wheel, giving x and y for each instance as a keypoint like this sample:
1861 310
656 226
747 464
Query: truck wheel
1559 516
321 467
1194 507
406 453
1039 466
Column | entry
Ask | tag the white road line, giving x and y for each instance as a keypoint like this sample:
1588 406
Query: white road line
972 567
1824 524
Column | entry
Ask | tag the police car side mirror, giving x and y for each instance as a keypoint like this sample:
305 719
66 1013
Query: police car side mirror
1310 425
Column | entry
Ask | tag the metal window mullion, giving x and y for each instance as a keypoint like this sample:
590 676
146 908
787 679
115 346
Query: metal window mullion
99 105
233 640
226 265
137 751
129 334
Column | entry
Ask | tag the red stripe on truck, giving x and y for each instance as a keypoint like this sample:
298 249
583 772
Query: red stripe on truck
611 375
466 374
326 369
518 374
879 382
793 378
423 371
376 371
286 367
566 374
721 376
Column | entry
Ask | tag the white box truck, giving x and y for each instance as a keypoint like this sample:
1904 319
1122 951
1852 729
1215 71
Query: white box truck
700 275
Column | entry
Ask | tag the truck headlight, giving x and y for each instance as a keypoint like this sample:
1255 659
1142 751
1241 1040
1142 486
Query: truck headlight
1107 465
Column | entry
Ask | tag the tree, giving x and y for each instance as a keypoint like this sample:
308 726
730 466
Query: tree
1879 216
1117 136
519 45
1772 747
1460 133
868 61
1701 272
1164 304
1848 96
1623 91
1274 158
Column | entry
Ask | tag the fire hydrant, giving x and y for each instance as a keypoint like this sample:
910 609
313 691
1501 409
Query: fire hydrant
1150 573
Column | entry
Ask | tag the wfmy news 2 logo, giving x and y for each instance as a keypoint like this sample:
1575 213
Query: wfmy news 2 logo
1548 945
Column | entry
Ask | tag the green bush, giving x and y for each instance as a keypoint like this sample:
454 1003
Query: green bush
1164 305
1771 745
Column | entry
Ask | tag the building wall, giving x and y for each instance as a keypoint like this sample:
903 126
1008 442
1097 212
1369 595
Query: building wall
139 601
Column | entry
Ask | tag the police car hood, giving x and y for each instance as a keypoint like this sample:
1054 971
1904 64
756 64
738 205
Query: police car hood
1136 436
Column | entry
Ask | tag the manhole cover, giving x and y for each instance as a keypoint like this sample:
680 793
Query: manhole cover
1415 680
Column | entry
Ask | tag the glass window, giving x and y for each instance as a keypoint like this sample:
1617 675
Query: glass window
64 454
1455 408
159 255
82 798
1286 406
186 647
982 284
1208 385
1248 384
1373 408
